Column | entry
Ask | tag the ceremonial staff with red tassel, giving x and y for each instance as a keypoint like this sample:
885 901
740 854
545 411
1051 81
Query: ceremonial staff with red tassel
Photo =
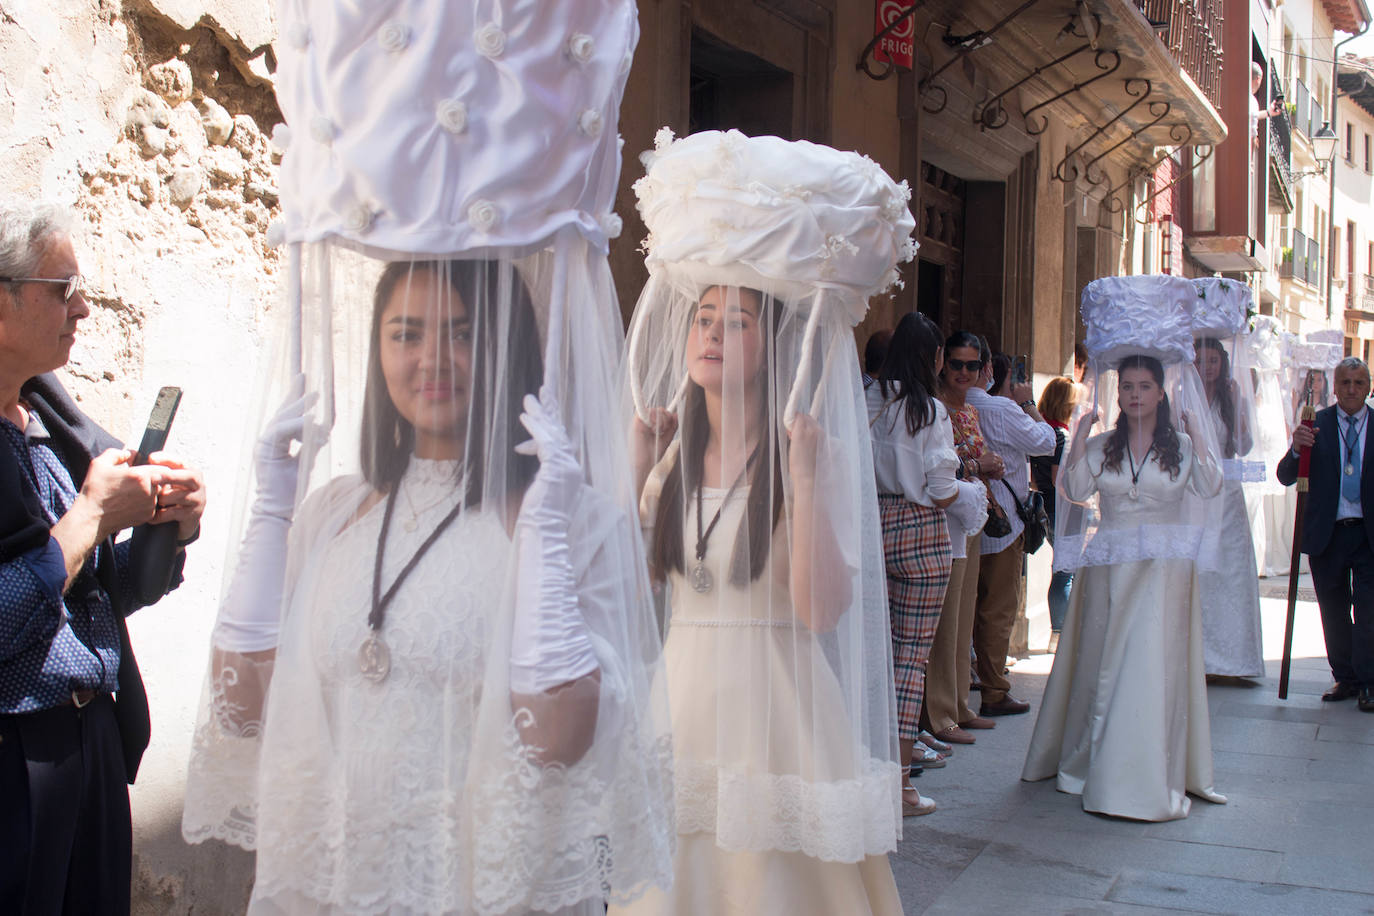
1304 464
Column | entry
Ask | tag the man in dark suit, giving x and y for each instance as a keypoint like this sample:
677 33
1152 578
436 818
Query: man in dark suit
1337 531
73 714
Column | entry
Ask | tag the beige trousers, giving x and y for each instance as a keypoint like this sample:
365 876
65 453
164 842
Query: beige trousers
1001 589
947 673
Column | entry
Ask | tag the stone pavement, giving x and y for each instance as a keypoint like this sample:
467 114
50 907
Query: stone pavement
1296 837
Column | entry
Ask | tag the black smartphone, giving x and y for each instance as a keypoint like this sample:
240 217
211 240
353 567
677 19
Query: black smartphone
1020 369
153 551
159 423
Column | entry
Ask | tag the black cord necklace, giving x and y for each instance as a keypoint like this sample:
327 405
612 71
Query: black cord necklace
1135 474
700 577
374 657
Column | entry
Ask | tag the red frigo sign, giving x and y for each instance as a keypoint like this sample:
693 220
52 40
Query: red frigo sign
896 45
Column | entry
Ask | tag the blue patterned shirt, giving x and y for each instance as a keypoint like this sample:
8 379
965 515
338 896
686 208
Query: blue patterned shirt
51 644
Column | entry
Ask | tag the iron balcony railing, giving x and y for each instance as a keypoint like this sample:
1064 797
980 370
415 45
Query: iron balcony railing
1303 261
1281 151
1191 30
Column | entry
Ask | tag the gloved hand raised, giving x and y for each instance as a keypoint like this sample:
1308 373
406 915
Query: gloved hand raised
250 614
550 643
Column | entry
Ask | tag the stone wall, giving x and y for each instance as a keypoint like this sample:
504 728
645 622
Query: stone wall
151 120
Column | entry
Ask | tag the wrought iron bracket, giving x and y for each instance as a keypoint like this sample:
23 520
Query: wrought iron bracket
1108 61
976 40
1110 201
865 56
1159 110
1138 88
1198 159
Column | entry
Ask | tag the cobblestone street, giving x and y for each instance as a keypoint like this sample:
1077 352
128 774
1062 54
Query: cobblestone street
1294 838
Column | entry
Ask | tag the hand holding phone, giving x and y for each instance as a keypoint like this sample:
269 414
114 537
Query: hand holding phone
154 547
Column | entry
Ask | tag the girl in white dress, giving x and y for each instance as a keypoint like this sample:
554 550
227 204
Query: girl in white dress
761 510
431 679
1124 721
1233 646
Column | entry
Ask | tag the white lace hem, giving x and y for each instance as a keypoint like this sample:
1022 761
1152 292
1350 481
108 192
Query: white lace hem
748 811
1202 546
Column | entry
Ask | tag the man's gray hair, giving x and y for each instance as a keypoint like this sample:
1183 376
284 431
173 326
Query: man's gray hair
1256 70
1353 362
25 232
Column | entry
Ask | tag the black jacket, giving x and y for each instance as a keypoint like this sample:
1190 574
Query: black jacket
24 527
1324 481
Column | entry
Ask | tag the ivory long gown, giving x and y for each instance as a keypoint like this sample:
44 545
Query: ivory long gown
1124 719
774 815
1232 643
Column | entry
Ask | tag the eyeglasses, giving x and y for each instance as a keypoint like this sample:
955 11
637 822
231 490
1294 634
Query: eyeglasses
964 365
74 284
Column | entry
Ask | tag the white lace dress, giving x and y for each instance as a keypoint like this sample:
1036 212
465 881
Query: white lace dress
362 800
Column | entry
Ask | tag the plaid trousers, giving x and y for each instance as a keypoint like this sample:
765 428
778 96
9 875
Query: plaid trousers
917 557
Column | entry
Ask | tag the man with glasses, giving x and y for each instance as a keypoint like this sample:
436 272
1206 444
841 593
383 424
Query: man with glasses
73 714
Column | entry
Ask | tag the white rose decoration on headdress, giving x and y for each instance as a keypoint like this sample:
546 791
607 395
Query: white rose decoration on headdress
452 115
611 224
483 215
322 129
590 122
358 218
281 137
490 40
580 47
298 36
393 37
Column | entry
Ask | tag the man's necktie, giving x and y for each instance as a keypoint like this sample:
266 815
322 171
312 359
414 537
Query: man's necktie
1350 480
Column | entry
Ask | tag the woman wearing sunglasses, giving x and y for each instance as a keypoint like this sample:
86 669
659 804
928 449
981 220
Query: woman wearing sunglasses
947 714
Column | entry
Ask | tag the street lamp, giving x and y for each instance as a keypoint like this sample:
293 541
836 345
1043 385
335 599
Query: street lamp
1324 144
1323 150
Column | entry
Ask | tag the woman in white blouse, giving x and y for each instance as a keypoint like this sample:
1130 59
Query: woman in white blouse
914 464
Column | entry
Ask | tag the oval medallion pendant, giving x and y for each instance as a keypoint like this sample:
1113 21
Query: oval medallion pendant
374 659
1135 494
700 578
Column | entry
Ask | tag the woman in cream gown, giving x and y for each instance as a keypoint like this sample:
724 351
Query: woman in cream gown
1232 642
760 508
1124 719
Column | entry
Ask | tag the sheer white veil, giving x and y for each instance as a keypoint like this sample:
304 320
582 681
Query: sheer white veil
493 737
762 255
1261 358
1147 316
1221 314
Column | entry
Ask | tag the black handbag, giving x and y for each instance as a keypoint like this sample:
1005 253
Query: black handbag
1033 515
997 525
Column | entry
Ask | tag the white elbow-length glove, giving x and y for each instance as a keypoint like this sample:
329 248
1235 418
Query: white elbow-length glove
970 507
250 615
550 642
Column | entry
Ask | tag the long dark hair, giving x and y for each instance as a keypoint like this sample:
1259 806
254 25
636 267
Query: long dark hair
388 439
1001 368
908 373
1221 395
764 506
1168 450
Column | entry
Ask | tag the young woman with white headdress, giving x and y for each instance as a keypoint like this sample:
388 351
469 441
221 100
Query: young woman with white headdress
1123 722
431 686
760 504
1233 649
